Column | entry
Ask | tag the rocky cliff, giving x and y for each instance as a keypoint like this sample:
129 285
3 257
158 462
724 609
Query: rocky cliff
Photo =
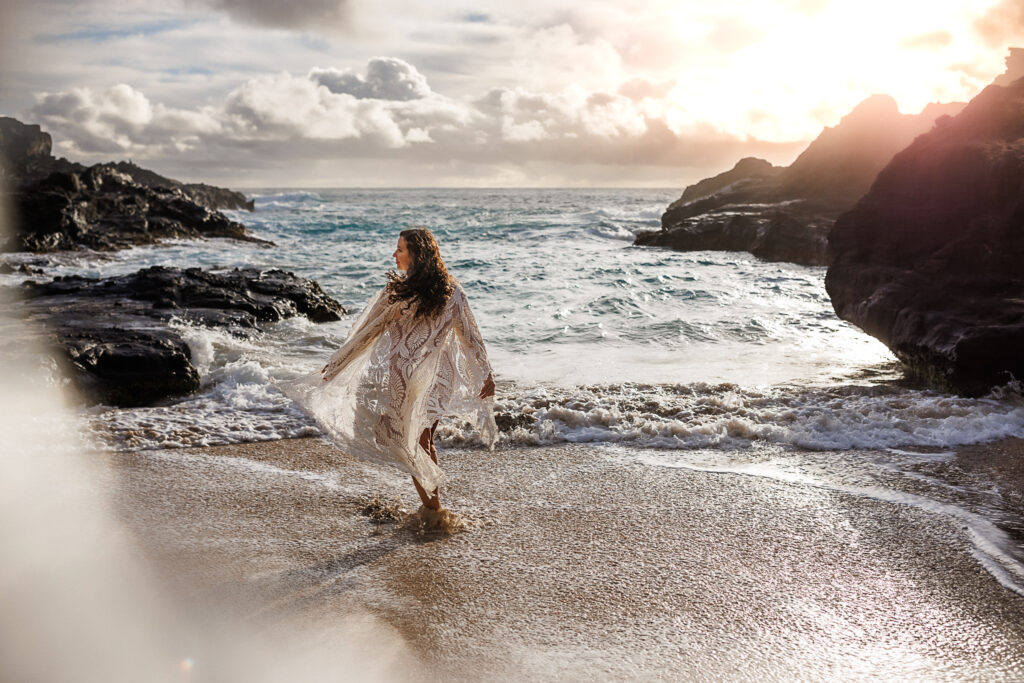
104 210
26 158
214 198
25 154
785 213
931 259
60 205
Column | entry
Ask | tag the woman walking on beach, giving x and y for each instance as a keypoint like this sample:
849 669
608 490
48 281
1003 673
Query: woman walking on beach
413 356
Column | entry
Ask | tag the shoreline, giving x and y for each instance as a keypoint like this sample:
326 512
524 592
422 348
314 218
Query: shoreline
582 561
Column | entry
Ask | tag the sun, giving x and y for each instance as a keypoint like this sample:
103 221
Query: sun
810 68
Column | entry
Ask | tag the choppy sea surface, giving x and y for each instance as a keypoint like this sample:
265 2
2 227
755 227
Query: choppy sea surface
715 360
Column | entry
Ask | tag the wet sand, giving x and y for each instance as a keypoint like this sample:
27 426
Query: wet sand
582 563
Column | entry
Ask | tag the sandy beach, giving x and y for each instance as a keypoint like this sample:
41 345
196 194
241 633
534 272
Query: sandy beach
582 563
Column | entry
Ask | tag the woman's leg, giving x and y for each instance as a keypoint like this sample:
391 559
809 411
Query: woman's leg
427 442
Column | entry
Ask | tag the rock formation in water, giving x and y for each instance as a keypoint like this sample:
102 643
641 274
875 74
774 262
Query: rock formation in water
59 204
785 213
215 198
26 153
105 210
114 332
931 260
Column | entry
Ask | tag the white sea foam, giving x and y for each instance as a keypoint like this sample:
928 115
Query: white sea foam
730 417
283 200
239 403
615 232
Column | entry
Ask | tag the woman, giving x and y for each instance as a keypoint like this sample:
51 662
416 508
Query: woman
413 356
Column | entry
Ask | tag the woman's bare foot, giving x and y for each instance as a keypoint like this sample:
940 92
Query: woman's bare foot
431 521
433 502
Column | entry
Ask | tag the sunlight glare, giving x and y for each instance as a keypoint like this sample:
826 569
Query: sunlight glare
808 70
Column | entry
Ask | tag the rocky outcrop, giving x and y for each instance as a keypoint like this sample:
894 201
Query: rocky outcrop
745 177
59 204
215 198
842 162
931 260
105 210
26 158
114 331
24 146
785 213
796 231
1014 67
128 368
25 154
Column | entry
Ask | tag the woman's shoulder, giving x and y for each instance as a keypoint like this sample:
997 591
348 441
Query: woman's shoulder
458 295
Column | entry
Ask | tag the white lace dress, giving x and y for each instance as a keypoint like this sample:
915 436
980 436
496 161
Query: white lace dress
396 375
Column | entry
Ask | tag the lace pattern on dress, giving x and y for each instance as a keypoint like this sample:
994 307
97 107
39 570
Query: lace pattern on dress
396 375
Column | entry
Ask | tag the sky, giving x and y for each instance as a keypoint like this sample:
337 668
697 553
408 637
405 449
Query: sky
552 93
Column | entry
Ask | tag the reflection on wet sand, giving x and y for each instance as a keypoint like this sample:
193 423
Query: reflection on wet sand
592 563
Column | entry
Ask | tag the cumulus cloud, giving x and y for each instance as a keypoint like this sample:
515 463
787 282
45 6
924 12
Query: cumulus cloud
386 111
519 115
120 119
308 14
285 106
389 107
385 79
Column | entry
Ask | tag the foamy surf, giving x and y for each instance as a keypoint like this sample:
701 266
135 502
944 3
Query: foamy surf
283 200
241 404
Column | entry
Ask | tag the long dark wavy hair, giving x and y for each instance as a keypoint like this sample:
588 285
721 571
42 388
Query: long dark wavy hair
426 282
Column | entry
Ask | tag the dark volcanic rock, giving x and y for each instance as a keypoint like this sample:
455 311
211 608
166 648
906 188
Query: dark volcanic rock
114 332
59 204
129 368
25 153
931 260
215 198
24 146
23 268
785 213
748 172
842 162
251 294
105 210
796 231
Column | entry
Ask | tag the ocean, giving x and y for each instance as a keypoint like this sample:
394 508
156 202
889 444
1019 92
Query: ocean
712 361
